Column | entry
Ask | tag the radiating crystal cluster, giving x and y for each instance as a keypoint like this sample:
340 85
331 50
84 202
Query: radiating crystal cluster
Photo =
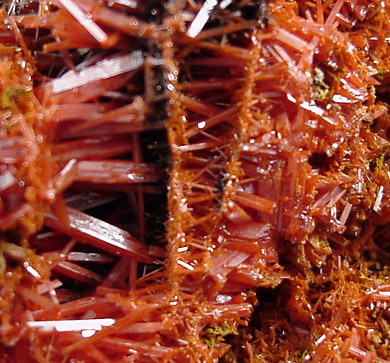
194 181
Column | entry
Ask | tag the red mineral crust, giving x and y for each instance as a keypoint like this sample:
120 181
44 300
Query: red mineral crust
194 181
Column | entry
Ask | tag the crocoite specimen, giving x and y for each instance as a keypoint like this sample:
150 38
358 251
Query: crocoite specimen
271 243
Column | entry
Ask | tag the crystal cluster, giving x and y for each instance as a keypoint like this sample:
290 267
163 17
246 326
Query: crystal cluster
194 181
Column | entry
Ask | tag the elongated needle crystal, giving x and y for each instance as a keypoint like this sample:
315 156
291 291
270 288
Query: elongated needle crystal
85 20
201 18
102 70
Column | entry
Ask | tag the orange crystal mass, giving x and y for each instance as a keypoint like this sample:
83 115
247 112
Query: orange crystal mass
194 181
